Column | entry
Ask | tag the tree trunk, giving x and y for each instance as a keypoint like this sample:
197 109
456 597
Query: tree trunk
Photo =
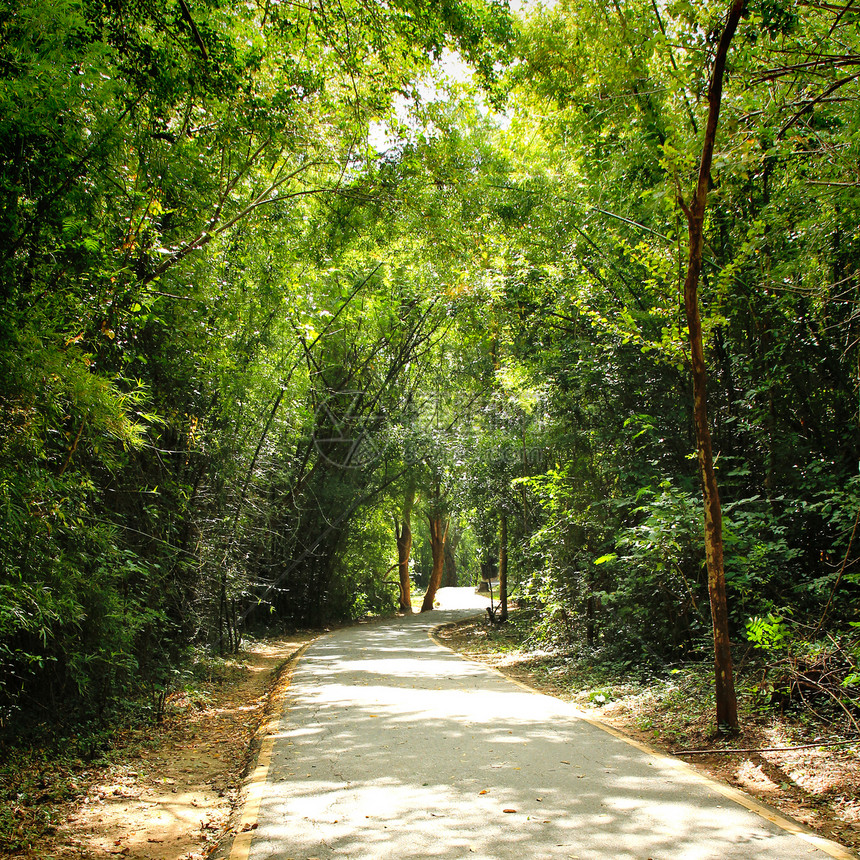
449 576
437 545
403 532
502 614
590 615
404 549
727 711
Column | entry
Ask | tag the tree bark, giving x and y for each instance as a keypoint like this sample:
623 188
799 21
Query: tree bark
726 700
437 545
403 532
502 614
449 576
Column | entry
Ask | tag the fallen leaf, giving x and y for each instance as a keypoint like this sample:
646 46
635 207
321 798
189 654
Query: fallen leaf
509 810
484 791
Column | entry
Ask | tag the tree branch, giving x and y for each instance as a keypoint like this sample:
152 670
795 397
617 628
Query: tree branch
186 14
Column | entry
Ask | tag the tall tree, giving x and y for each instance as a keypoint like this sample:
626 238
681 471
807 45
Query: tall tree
403 534
726 699
438 522
502 614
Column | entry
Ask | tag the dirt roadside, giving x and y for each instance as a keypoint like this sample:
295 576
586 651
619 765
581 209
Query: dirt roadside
174 796
818 786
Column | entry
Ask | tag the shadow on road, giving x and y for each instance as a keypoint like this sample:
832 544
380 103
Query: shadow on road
394 747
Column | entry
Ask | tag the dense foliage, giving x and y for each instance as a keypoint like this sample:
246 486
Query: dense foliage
277 279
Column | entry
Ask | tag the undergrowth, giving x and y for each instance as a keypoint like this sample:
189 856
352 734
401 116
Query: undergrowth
673 701
44 767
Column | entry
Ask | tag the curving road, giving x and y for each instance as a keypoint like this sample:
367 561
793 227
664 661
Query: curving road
393 747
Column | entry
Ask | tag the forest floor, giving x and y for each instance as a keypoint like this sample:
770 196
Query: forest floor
171 791
164 792
672 711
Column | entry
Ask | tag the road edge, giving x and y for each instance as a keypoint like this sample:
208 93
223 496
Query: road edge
240 847
828 846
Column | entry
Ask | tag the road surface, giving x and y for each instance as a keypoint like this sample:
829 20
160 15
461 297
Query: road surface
391 746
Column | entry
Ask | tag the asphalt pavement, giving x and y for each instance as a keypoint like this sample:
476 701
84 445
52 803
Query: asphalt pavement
391 746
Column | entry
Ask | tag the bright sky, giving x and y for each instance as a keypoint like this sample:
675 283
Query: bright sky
451 66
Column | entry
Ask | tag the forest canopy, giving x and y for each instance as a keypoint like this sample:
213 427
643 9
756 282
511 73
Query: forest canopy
303 305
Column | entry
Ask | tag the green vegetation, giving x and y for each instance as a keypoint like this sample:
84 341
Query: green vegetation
277 284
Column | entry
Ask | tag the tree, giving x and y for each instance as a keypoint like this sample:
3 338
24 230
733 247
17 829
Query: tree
176 189
403 533
727 707
502 614
438 522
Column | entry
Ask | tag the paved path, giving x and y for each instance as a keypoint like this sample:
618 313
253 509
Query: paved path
393 747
